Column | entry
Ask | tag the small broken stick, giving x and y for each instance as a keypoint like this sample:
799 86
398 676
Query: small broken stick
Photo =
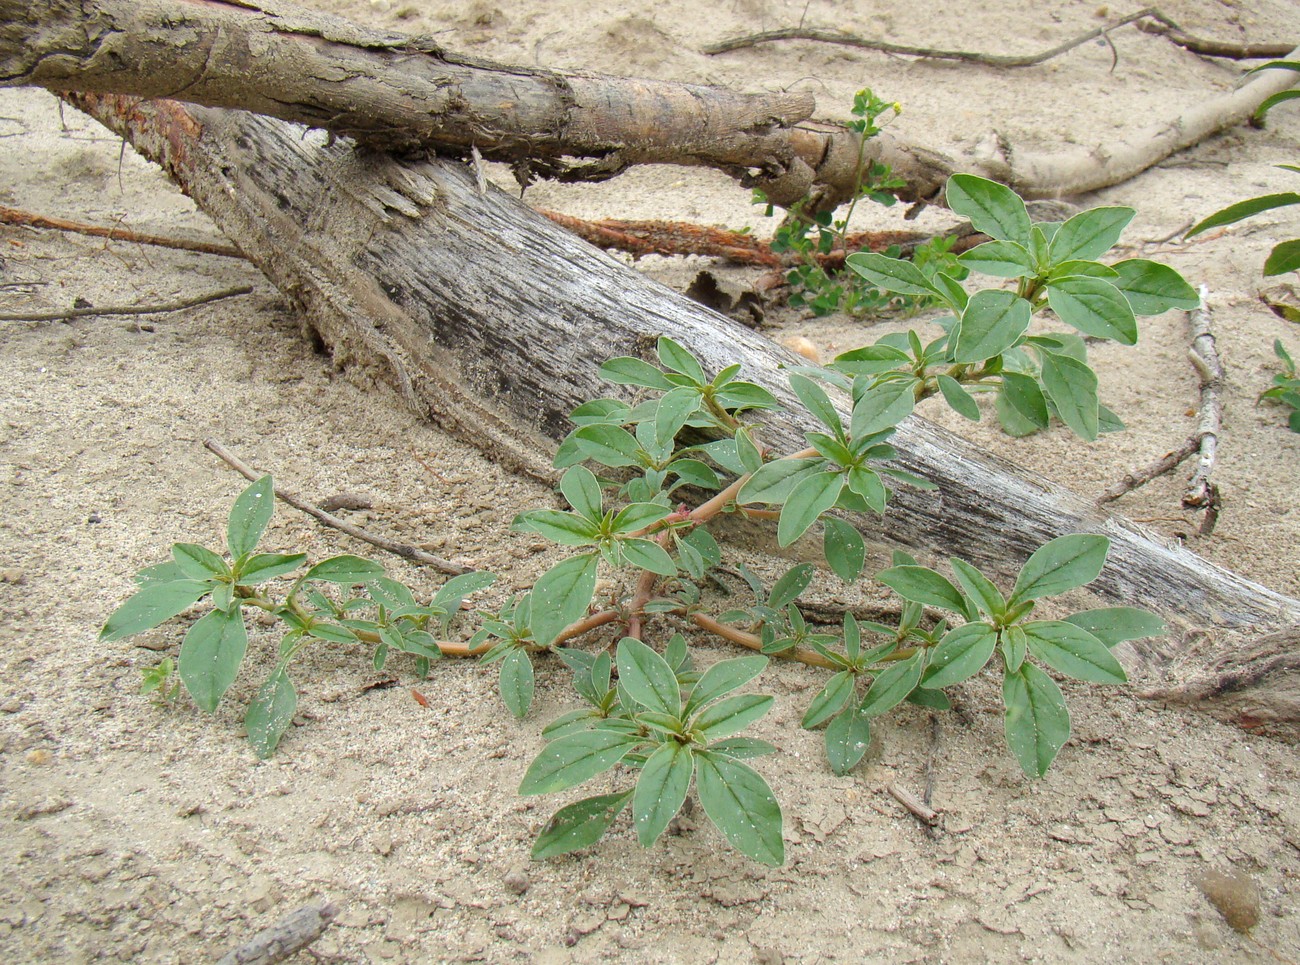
1201 493
292 933
404 550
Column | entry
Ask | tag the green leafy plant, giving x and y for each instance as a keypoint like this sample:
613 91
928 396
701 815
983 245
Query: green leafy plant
322 605
1285 256
809 234
674 727
1285 389
646 476
987 343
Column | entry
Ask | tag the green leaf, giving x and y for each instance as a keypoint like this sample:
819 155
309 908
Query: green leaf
816 401
1089 269
724 677
731 715
993 209
1059 565
1073 388
167 572
561 596
742 748
1284 257
332 633
250 516
1244 209
774 481
830 700
1015 645
867 484
1002 259
567 529
1272 101
647 678
923 585
1094 306
579 825
608 445
992 323
451 593
834 450
674 356
747 452
869 360
198 562
745 395
695 473
742 806
346 570
582 490
674 411
1073 651
892 686
958 398
1090 234
632 371
961 654
661 790
846 739
211 654
845 550
880 407
515 682
790 585
987 597
648 555
805 504
1036 723
268 566
1025 398
890 274
270 713
1152 288
1114 625
569 760
155 604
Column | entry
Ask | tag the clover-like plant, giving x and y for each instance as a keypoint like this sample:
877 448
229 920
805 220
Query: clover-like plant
987 343
674 728
320 606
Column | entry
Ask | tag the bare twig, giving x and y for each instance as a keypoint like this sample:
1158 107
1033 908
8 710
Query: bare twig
292 933
26 219
404 550
1156 23
920 810
1200 493
127 309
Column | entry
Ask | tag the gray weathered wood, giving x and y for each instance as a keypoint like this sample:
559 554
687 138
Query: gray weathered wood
493 322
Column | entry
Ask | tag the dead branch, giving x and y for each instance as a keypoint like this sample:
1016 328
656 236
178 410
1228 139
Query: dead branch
918 808
404 550
1200 493
156 309
400 93
1150 20
292 933
26 219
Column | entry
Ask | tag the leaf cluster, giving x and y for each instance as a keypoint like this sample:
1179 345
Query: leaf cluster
1285 389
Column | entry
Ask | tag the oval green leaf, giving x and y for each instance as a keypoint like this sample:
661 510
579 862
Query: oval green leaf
647 678
155 604
211 654
569 760
1059 565
992 208
579 825
661 790
992 323
1036 723
1073 651
742 806
961 654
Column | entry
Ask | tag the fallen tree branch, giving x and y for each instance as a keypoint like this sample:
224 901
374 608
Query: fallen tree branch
404 550
292 933
399 93
498 350
1200 492
157 309
1151 20
25 219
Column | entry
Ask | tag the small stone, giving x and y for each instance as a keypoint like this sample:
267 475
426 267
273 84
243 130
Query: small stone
802 346
516 882
40 756
1234 894
11 706
383 844
13 575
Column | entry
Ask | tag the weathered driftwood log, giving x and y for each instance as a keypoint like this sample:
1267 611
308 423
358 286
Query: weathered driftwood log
396 91
493 322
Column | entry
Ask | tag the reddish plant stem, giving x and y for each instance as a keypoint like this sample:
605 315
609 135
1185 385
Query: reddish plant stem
748 640
586 625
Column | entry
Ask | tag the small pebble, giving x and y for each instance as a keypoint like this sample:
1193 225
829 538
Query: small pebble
516 882
1234 894
38 756
804 347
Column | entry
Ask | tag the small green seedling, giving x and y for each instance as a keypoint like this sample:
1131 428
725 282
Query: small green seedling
1286 386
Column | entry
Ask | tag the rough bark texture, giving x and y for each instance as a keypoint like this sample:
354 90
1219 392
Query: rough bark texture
399 92
493 322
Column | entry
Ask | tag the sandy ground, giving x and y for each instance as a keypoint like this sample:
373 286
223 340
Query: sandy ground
138 833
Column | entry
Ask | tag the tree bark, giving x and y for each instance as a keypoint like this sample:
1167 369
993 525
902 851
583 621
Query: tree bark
398 92
492 322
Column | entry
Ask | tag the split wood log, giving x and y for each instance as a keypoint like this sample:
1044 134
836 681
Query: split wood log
492 322
398 92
